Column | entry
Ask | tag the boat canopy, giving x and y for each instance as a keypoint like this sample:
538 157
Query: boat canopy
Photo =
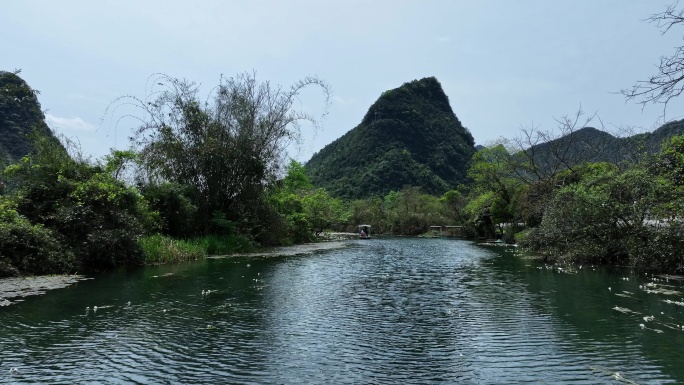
364 231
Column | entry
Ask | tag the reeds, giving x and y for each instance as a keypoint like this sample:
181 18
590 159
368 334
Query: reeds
160 249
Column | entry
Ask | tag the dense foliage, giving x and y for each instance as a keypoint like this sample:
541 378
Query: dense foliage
20 117
209 178
205 180
592 212
408 211
409 137
67 215
227 151
305 211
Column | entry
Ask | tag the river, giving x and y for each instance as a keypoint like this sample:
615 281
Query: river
381 311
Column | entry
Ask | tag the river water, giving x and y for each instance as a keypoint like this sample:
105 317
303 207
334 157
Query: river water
383 311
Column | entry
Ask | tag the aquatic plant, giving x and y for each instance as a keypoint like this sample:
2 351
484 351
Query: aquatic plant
163 249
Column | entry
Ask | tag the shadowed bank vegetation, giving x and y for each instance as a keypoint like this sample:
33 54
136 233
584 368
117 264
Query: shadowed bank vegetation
201 178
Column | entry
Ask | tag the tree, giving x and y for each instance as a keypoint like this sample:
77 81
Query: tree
322 211
296 178
27 248
68 203
525 173
542 154
534 162
286 197
670 162
229 148
454 203
669 166
497 182
306 210
410 212
174 204
492 169
666 83
371 211
613 216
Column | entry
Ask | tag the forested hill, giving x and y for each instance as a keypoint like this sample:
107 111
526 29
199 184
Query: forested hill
589 144
409 136
20 115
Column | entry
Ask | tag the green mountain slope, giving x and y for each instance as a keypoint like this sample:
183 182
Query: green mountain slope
592 145
653 141
409 136
20 116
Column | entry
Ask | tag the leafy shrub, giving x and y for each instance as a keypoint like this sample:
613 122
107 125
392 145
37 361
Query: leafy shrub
300 228
174 204
27 248
522 238
223 244
94 217
162 249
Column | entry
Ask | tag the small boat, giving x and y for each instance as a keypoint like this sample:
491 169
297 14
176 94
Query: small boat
364 232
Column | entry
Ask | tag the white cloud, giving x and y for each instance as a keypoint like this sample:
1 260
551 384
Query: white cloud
444 39
75 123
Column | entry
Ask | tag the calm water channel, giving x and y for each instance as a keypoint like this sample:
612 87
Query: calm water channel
385 311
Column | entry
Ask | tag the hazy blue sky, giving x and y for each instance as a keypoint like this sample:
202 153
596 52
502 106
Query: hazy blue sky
503 63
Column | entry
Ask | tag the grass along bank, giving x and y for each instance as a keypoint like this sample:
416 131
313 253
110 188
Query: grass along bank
159 249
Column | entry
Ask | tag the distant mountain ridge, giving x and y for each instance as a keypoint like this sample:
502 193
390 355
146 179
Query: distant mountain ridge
409 136
589 144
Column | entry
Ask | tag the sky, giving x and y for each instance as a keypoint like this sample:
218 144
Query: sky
505 65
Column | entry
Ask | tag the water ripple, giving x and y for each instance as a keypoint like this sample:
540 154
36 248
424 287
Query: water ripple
385 312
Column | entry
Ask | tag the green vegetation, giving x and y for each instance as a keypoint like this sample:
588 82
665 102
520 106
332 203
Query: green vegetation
208 178
205 182
220 157
625 214
409 137
68 215
159 249
407 212
305 211
20 117
221 244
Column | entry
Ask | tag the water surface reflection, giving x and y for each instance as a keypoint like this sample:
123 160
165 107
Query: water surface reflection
380 311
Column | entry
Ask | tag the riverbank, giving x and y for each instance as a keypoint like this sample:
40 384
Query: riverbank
287 251
13 290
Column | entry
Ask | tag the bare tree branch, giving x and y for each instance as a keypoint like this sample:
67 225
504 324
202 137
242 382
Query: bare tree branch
229 147
540 154
666 84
